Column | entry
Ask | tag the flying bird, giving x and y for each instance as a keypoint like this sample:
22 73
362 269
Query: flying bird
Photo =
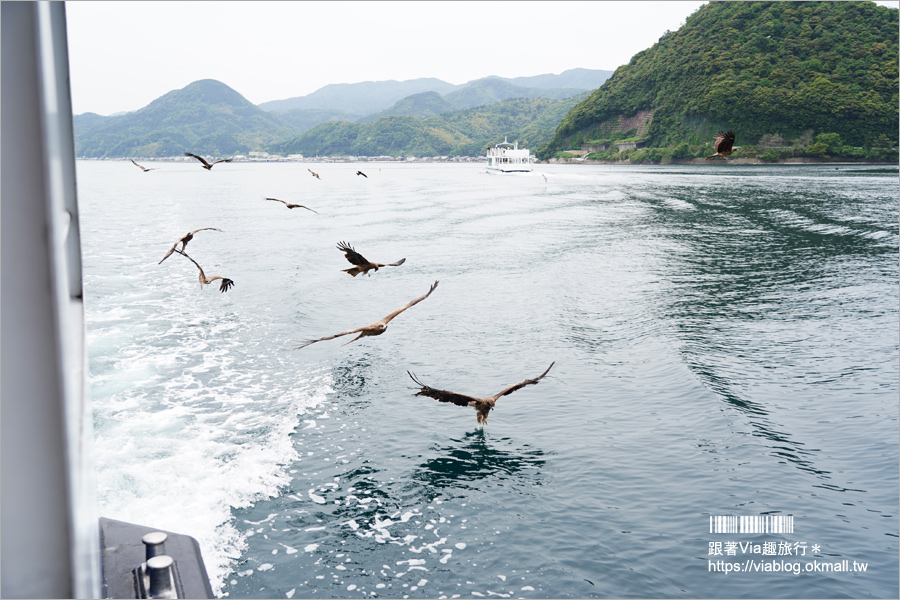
292 206
204 280
723 144
314 174
376 328
141 167
206 165
363 174
184 242
362 265
482 406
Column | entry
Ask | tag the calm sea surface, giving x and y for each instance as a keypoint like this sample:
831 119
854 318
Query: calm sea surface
725 340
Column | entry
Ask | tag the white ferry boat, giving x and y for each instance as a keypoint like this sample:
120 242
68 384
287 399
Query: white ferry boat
508 158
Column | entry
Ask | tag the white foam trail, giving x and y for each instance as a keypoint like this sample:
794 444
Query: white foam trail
185 433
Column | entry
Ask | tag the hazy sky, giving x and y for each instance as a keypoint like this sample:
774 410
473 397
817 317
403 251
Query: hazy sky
123 55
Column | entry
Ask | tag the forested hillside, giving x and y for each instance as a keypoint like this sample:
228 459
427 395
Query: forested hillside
467 133
206 116
823 75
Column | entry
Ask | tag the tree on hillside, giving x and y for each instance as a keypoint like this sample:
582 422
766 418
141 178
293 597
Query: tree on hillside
760 68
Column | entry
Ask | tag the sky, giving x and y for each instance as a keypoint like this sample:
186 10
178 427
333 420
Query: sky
123 55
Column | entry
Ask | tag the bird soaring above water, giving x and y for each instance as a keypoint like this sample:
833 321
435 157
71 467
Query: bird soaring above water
482 406
141 167
206 165
723 144
362 264
184 242
314 174
292 206
376 328
363 174
204 280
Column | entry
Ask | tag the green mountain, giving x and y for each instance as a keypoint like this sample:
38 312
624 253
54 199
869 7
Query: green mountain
371 97
206 116
209 117
422 105
360 98
371 100
305 118
531 121
482 92
491 90
580 79
776 73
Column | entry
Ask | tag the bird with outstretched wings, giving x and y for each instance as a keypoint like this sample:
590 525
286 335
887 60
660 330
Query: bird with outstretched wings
362 264
291 205
184 242
376 328
314 174
207 165
226 284
482 406
142 167
363 174
723 144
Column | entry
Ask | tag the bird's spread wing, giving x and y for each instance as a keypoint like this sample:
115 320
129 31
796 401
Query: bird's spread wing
352 255
724 141
169 253
226 285
181 239
388 318
516 386
442 395
292 205
396 264
222 160
200 158
203 229
331 337
202 274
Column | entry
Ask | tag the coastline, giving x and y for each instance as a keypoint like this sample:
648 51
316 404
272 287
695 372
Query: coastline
734 161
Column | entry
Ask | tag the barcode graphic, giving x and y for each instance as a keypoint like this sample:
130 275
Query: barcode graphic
751 524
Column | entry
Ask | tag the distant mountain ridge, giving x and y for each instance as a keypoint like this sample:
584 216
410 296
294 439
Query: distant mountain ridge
370 97
426 104
207 116
359 98
530 121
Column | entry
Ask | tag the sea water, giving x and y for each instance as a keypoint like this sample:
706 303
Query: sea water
725 341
